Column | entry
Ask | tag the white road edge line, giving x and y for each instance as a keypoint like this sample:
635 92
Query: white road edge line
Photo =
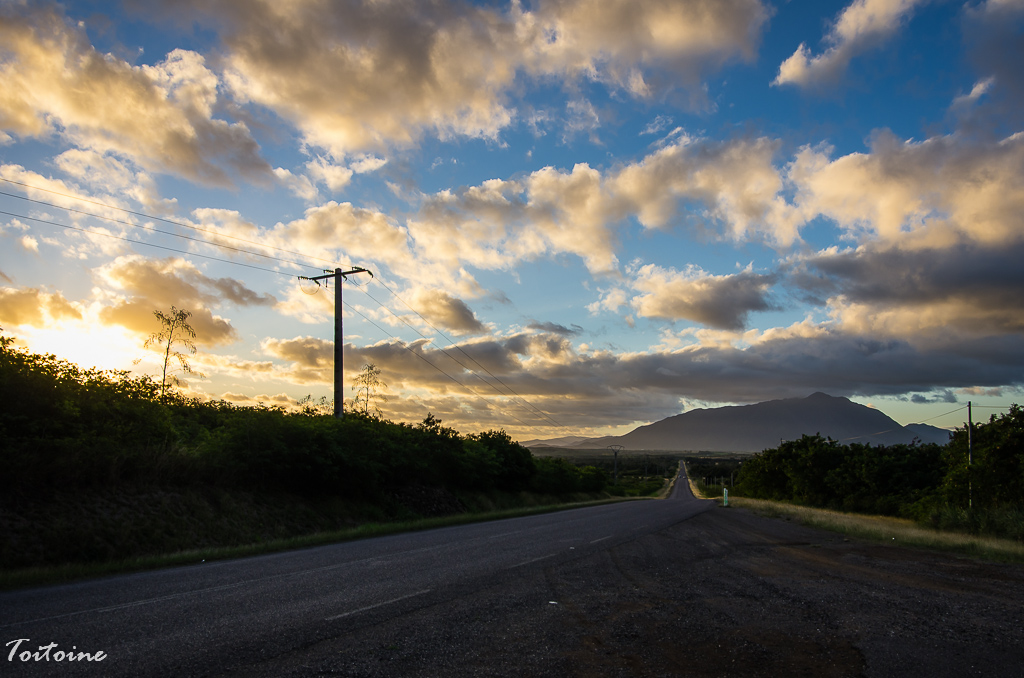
371 607
601 539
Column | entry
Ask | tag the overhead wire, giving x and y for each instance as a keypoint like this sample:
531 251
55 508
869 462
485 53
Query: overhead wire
445 352
149 216
425 359
144 243
515 396
154 230
477 363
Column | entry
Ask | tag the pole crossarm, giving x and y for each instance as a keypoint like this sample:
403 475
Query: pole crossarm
335 273
339 364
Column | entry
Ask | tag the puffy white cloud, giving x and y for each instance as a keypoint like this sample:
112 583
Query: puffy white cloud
735 181
932 193
52 81
860 26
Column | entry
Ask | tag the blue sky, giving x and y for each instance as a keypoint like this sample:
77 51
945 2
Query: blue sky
582 215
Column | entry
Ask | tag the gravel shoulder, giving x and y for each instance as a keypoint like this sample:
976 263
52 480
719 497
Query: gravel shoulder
725 593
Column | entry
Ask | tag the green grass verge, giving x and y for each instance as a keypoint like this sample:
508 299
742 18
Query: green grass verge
41 576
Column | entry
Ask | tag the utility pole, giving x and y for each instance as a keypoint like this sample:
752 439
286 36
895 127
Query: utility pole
970 427
339 360
615 451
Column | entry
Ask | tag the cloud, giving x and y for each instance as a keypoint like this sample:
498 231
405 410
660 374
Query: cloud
926 296
369 76
862 25
34 307
335 177
440 308
735 181
552 211
53 82
642 46
499 222
722 302
932 193
992 33
159 284
555 328
576 386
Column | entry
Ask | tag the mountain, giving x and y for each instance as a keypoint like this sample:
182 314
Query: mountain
752 428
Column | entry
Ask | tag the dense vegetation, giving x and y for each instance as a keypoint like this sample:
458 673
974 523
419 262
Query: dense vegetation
63 426
929 483
100 465
632 474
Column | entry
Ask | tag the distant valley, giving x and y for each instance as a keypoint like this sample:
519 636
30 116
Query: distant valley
752 428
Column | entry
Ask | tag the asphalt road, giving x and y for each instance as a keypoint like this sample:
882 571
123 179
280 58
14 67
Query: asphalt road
653 588
208 619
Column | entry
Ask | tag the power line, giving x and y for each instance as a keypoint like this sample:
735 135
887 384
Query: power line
445 352
461 350
147 244
148 216
176 235
426 360
515 396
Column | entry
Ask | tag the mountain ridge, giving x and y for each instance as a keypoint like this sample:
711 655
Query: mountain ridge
759 426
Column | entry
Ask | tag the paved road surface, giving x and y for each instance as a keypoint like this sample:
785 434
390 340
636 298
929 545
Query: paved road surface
653 588
208 618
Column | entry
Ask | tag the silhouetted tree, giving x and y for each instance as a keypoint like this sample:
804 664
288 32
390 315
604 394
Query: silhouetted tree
174 330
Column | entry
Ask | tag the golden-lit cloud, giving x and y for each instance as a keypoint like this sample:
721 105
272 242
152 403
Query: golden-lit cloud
53 82
147 285
862 25
30 306
919 194
370 75
720 301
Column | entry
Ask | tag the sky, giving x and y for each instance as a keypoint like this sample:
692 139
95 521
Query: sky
581 216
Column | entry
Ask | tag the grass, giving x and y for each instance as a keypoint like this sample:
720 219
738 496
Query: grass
41 576
886 530
882 529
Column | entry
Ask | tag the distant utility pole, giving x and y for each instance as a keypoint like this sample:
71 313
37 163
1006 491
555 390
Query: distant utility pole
339 360
615 451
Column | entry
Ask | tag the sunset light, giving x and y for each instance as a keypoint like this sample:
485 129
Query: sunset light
581 216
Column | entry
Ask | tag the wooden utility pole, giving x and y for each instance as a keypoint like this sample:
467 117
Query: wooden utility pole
339 360
970 429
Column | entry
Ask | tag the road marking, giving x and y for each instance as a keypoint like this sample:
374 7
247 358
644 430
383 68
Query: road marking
182 594
601 539
533 560
372 607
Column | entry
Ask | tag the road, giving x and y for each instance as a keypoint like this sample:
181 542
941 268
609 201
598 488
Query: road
208 618
648 588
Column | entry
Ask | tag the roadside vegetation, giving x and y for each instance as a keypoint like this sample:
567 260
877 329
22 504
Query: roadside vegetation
936 486
928 495
104 466
632 474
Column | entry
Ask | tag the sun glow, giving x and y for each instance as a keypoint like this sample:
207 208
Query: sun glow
87 345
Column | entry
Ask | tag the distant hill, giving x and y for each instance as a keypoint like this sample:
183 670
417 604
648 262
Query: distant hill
752 428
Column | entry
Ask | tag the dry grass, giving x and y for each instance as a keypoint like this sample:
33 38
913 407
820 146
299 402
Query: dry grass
888 530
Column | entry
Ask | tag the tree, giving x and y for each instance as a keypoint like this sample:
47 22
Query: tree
367 387
174 330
